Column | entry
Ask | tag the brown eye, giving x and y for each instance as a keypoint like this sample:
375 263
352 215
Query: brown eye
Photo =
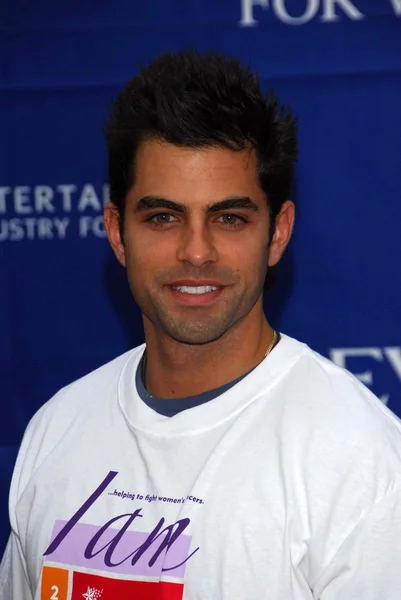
232 220
161 219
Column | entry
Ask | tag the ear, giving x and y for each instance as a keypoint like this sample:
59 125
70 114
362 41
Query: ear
282 233
112 225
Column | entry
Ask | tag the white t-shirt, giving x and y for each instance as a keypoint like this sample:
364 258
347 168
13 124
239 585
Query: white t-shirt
285 487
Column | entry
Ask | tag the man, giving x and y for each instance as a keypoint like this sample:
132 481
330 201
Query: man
222 460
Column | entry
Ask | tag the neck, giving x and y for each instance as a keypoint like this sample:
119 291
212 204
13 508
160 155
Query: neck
177 370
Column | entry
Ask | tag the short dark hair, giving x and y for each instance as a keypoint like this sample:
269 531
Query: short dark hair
201 100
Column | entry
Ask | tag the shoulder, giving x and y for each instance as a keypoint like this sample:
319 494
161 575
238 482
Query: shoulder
352 440
88 391
328 392
339 445
79 401
336 391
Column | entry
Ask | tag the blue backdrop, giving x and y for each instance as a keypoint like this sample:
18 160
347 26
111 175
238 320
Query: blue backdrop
65 306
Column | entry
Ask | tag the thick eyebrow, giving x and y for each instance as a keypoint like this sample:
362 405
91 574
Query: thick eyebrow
235 202
149 202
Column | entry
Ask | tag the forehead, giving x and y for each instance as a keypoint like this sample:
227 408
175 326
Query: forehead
169 170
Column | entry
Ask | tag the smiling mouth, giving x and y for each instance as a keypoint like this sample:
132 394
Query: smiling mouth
195 295
195 290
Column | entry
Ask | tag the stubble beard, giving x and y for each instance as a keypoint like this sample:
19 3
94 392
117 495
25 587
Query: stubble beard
195 325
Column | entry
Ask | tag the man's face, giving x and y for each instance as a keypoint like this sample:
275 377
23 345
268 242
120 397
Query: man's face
195 240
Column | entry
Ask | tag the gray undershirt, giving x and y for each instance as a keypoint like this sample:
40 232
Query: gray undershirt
172 406
169 407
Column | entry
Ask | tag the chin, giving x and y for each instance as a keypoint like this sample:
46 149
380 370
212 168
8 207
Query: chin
194 337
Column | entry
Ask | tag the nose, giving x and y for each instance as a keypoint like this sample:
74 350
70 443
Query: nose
196 246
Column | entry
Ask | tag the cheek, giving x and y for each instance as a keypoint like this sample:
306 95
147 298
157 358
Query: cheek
144 257
248 257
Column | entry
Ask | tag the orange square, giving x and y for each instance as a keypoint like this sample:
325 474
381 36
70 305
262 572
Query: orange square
54 584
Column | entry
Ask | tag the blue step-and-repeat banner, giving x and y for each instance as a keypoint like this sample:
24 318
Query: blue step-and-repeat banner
64 303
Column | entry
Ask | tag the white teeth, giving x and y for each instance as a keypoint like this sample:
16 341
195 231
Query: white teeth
200 289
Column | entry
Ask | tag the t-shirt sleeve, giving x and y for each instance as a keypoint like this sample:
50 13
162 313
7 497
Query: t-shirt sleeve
14 583
368 564
13 580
